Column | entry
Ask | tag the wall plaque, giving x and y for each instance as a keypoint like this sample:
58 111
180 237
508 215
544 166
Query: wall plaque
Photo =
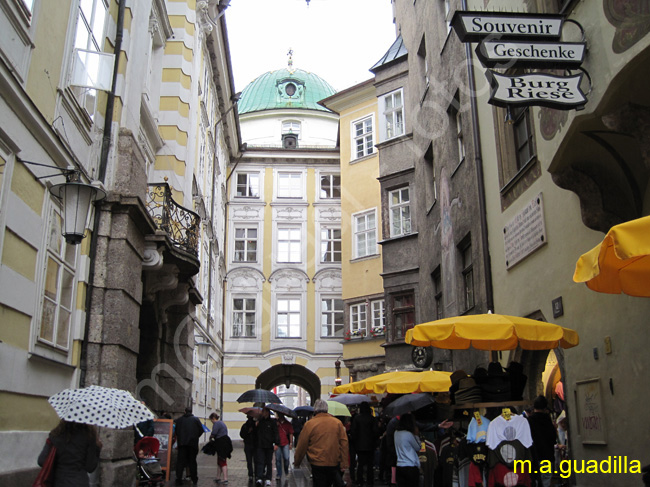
591 421
525 233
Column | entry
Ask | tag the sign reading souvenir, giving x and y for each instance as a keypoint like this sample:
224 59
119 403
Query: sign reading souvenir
539 89
531 54
475 26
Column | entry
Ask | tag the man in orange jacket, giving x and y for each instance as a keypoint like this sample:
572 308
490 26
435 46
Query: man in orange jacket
324 440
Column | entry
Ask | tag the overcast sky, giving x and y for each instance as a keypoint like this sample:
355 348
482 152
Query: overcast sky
339 40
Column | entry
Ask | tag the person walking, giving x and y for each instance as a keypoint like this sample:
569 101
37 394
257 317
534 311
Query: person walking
285 432
219 434
266 434
407 448
324 440
188 430
544 437
247 433
77 453
364 434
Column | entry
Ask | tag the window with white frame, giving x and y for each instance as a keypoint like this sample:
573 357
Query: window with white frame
245 245
330 186
362 136
289 246
459 137
331 317
393 114
248 185
59 290
365 233
291 127
399 206
330 244
377 316
289 185
358 319
90 37
243 317
467 272
288 318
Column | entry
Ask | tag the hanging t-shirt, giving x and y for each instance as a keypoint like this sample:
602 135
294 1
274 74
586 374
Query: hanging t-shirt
502 476
477 433
516 428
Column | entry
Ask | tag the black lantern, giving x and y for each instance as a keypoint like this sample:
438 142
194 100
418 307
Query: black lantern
77 198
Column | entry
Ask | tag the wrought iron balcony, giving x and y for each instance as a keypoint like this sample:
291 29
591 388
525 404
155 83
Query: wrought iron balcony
180 224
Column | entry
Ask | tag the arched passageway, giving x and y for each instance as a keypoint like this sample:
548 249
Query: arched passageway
290 374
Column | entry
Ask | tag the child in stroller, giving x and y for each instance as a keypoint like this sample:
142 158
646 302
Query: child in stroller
150 472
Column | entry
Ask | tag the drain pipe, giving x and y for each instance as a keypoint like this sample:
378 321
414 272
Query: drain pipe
478 160
101 175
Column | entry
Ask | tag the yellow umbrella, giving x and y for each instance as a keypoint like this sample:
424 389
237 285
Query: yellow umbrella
426 381
491 332
621 262
366 385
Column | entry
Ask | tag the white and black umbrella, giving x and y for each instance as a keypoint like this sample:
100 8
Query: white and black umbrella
100 406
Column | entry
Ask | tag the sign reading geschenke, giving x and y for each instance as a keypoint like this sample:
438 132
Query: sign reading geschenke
533 54
537 89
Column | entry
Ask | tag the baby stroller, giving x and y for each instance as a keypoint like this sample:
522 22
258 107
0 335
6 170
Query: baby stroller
150 472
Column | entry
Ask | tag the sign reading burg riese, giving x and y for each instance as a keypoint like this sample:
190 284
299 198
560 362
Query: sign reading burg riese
524 40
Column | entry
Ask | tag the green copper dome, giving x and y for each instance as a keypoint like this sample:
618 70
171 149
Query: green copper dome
285 89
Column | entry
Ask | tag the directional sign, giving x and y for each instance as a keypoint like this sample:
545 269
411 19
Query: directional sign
474 26
546 90
534 54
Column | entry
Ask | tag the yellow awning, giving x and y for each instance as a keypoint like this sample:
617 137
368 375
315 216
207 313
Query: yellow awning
491 332
621 262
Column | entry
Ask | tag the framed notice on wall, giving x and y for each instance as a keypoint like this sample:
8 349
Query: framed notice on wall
163 430
591 418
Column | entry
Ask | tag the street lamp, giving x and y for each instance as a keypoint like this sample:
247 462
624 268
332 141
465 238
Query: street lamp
337 366
77 198
202 349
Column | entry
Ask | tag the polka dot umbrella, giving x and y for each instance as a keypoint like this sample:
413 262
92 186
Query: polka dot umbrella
100 406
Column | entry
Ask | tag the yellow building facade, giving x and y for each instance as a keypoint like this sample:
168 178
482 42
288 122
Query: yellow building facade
363 292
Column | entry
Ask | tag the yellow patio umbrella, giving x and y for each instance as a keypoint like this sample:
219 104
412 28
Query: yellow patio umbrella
425 381
491 332
365 386
621 262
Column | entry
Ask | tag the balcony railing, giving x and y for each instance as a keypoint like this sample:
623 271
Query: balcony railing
180 224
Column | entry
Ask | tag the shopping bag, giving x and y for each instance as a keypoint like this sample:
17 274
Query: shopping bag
45 477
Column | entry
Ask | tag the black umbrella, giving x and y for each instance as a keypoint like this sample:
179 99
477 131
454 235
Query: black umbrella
259 395
409 403
304 410
281 408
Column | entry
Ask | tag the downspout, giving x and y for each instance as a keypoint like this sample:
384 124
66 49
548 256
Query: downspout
101 175
478 160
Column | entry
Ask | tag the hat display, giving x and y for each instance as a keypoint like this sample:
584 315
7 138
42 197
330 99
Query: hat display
467 392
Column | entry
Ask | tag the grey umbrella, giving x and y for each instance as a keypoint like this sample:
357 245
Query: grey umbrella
259 395
409 403
281 408
350 399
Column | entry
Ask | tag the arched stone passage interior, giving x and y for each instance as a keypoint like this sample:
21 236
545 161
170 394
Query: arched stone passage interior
290 374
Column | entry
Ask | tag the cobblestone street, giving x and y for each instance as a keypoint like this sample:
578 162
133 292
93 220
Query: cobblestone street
238 475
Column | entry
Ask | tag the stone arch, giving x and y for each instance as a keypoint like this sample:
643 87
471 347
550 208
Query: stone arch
293 373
